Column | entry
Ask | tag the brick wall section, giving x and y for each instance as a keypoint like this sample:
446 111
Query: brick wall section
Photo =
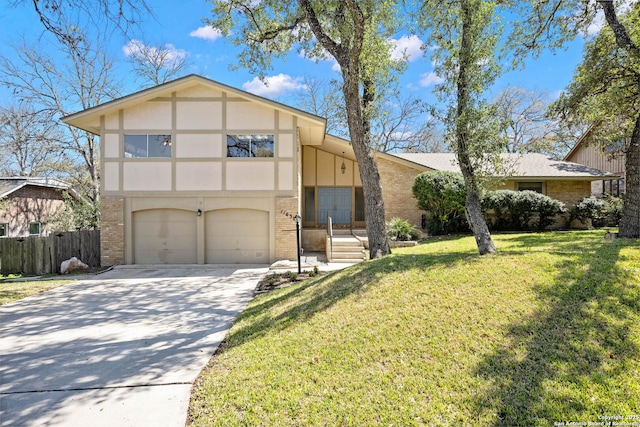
569 192
30 204
396 180
286 246
112 231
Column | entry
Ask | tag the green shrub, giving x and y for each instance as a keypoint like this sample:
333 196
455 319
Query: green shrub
520 210
601 211
590 208
547 208
400 230
612 211
442 195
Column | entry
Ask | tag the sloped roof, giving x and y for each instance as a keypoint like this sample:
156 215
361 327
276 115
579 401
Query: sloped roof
529 165
10 185
89 119
582 139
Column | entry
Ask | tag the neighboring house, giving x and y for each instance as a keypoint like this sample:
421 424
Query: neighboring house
27 203
595 157
194 171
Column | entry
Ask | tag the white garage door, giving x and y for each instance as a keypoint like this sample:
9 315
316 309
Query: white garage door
164 236
237 236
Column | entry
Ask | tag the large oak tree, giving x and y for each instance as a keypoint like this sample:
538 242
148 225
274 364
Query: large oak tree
606 90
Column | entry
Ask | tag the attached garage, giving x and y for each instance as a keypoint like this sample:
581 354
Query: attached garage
236 236
164 236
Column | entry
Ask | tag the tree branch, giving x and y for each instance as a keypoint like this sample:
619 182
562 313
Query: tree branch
337 50
623 40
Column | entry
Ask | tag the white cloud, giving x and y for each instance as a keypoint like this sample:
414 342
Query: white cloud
411 46
597 24
206 33
133 48
275 85
430 79
169 52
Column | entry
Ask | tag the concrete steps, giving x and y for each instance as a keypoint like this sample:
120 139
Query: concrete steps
347 249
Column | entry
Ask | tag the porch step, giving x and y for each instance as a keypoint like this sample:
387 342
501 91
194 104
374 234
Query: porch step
347 249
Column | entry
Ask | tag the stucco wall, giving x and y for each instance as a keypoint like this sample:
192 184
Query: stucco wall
198 120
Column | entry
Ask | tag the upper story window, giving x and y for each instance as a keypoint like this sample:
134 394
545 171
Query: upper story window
4 230
34 228
144 146
250 145
531 186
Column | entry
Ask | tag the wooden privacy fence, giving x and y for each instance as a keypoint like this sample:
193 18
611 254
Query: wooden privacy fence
37 255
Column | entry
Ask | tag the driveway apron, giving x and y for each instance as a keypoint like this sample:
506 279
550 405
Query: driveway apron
121 349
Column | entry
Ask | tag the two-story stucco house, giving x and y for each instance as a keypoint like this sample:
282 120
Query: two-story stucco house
194 171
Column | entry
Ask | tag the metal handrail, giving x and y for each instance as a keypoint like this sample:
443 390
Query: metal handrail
330 233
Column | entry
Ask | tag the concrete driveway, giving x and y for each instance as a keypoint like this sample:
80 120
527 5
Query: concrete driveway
120 349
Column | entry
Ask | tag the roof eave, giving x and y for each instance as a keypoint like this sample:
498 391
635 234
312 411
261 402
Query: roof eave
83 119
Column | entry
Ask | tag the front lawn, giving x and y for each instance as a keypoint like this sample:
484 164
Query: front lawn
546 332
14 290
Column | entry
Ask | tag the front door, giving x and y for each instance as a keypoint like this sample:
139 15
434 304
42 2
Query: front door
336 203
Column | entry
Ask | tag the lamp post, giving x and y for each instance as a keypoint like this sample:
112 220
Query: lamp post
297 219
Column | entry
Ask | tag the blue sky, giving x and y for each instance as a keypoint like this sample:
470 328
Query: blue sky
178 25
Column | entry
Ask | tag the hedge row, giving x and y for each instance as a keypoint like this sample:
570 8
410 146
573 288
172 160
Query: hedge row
442 196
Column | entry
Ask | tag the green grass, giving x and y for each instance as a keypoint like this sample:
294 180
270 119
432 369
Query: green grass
547 331
13 291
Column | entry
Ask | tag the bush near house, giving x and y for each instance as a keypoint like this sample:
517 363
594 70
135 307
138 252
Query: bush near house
401 230
612 210
442 195
520 210
601 211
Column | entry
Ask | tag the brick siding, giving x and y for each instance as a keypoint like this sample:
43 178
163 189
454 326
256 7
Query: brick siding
396 180
112 231
286 244
30 204
569 192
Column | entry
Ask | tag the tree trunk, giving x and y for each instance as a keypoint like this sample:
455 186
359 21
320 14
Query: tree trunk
373 203
347 54
472 205
630 221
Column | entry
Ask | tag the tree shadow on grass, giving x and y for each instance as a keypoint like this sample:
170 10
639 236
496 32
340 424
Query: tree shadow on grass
283 308
575 358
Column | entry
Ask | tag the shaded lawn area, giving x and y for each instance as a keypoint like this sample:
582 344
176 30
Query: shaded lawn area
14 290
547 331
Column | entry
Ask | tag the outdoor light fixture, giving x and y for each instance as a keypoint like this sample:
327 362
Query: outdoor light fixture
199 212
343 168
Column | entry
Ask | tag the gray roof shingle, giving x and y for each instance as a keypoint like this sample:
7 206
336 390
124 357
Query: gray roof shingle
10 184
530 165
